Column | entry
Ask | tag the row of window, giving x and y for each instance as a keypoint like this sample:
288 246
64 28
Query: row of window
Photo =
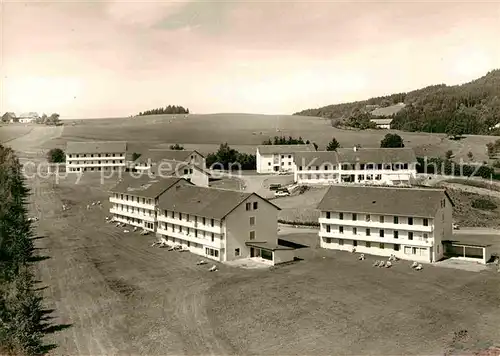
189 231
282 163
354 217
408 250
133 199
353 167
93 169
196 219
360 177
395 233
95 162
96 155
132 209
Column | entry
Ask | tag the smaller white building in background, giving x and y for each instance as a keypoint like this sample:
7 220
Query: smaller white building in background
190 165
377 166
134 200
410 223
223 225
278 158
95 156
382 123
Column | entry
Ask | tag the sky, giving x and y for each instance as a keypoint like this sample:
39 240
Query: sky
116 58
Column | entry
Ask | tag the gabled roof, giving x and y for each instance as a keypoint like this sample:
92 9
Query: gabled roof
376 155
284 149
361 155
169 155
146 186
96 147
166 167
201 201
419 202
308 159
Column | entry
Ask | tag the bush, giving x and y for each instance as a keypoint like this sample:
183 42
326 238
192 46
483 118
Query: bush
228 158
299 223
56 155
177 147
483 204
392 141
135 156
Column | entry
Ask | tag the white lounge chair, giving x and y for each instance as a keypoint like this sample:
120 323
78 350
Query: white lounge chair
388 264
202 262
213 269
414 265
419 267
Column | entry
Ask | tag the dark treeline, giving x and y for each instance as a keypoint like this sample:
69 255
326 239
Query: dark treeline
170 109
283 140
21 327
227 157
471 108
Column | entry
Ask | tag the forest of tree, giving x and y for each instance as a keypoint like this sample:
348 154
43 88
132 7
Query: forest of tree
170 109
21 323
283 140
471 108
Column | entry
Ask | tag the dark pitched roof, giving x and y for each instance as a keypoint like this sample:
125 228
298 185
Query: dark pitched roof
376 155
284 149
96 147
146 186
307 159
202 201
168 155
167 167
419 202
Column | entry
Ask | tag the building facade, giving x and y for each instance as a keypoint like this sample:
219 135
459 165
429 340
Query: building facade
220 224
95 156
134 201
278 158
146 160
409 223
376 166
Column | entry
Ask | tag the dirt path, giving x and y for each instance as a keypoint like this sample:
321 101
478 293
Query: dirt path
118 294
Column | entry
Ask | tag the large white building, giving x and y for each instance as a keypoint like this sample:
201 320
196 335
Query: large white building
378 166
411 223
134 200
276 158
222 225
95 156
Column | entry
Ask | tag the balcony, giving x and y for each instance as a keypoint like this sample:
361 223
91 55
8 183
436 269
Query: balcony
387 239
207 241
377 225
95 158
132 203
216 229
133 215
93 164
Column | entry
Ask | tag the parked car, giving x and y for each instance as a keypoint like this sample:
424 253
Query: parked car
281 193
274 186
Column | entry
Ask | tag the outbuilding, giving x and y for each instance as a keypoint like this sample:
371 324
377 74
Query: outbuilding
469 248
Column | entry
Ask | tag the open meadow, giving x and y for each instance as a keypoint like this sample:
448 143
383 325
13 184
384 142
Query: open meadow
245 131
113 293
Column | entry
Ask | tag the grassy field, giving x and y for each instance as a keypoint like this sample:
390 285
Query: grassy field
115 294
10 132
245 131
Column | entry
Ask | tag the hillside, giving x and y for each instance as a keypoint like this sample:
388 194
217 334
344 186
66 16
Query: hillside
470 108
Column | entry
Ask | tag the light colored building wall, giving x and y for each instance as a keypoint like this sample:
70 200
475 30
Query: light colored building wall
133 210
273 163
199 178
282 256
264 163
361 176
378 234
193 232
238 227
79 162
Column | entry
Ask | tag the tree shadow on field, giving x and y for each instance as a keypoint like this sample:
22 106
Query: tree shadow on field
47 327
38 258
38 237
